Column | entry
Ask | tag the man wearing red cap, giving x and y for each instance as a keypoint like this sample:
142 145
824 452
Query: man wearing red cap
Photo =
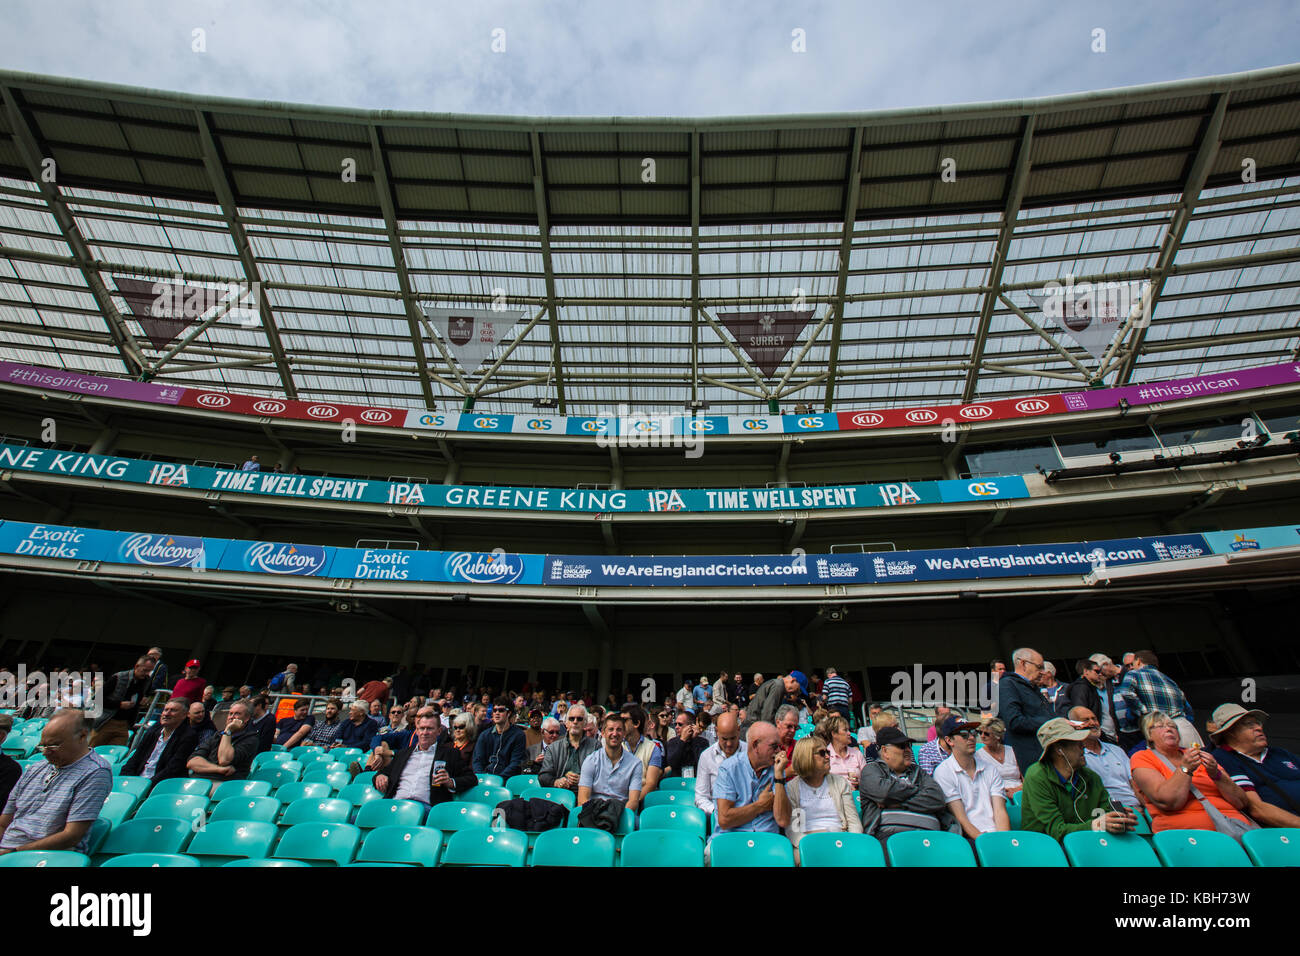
191 685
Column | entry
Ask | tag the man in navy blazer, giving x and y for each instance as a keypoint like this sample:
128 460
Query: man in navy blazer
164 748
432 771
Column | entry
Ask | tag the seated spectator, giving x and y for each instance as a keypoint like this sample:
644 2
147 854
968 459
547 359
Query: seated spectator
210 699
534 755
743 788
359 729
533 733
816 800
1269 776
1001 757
1167 775
682 754
706 768
940 715
1062 795
263 722
229 754
55 802
897 795
867 732
1106 760
649 751
662 720
229 695
787 725
324 732
291 731
846 759
973 789
200 721
165 748
704 726
464 733
612 771
500 750
881 720
431 771
397 722
10 769
935 750
562 765
191 685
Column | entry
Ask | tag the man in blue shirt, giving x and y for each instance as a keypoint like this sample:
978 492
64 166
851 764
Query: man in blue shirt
703 693
612 772
1270 776
742 789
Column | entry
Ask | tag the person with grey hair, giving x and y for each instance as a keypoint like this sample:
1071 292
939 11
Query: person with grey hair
787 724
56 801
464 732
534 755
1022 707
359 729
229 754
562 764
1050 686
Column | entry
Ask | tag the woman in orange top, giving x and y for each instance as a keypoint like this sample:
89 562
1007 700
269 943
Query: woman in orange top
1167 791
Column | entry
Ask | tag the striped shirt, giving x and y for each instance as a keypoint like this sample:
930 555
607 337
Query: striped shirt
837 691
1146 690
45 799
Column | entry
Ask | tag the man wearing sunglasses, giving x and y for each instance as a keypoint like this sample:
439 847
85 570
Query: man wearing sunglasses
1022 706
54 803
500 749
562 764
972 788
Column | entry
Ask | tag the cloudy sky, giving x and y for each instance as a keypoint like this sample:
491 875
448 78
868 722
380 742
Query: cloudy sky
661 58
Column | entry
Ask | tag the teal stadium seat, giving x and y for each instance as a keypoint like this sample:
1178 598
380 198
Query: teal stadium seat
182 785
38 858
1206 848
662 848
269 758
154 835
390 813
521 783
840 849
278 774
486 847
99 831
304 750
263 809
136 787
659 798
570 847
241 788
336 780
669 784
1273 846
320 844
345 755
113 753
750 849
411 845
490 779
928 848
567 798
359 794
1018 848
626 824
1088 848
224 840
147 860
670 817
268 862
453 816
1013 814
365 776
485 793
315 810
177 806
303 790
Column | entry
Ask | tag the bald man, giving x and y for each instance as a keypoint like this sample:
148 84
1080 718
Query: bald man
706 770
55 802
742 789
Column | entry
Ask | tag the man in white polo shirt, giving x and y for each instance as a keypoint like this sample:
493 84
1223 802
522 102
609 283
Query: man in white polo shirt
973 789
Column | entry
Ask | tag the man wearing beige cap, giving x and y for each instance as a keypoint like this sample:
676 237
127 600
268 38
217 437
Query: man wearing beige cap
1269 776
1061 794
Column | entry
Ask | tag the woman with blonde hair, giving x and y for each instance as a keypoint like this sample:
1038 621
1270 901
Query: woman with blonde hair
463 732
882 719
1184 788
816 800
846 759
1000 758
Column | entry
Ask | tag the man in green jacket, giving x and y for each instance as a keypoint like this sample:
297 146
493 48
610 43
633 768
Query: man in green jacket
1061 794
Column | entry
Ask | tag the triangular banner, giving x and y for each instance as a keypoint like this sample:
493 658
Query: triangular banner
766 337
472 334
1090 314
165 309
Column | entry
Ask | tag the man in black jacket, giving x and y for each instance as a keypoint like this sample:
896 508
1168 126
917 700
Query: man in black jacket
431 772
684 750
1082 691
229 754
126 691
897 795
164 749
1022 707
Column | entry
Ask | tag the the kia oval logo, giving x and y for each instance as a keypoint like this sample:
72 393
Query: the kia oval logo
1033 406
269 407
375 416
210 400
868 419
976 412
922 416
322 411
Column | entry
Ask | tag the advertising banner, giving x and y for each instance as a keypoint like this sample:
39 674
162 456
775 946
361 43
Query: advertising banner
766 337
292 408
1288 373
274 557
166 550
60 381
471 334
1089 314
55 541
166 309
464 567
1253 539
938 415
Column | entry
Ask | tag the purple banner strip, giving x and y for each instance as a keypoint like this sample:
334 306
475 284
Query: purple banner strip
1174 389
89 384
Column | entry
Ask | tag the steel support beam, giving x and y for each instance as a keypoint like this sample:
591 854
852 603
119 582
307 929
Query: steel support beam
731 347
387 204
852 191
1010 213
695 265
514 344
225 193
33 155
544 233
1197 173
1042 333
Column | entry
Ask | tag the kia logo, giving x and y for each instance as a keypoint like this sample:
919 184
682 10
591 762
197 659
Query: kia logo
976 411
269 407
375 416
868 419
322 411
210 400
922 416
1032 406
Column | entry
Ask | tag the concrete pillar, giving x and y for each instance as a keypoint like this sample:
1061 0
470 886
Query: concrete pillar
104 442
453 473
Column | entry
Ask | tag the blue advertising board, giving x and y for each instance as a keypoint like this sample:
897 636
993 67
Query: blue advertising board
1253 539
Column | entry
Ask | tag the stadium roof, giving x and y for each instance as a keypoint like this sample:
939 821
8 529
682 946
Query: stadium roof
350 221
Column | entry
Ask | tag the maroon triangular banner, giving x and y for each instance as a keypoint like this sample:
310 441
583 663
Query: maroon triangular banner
767 337
165 309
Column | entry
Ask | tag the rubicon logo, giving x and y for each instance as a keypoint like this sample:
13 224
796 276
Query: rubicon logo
212 400
322 411
1033 406
868 419
922 416
976 412
375 416
270 407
